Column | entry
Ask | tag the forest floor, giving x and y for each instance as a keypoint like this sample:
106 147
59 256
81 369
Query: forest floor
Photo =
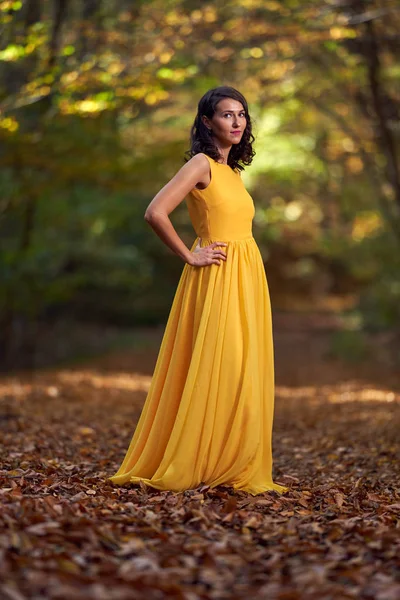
68 533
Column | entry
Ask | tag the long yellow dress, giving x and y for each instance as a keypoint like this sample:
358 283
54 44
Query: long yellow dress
208 415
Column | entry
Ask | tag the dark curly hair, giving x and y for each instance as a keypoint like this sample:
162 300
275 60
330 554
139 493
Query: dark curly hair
202 141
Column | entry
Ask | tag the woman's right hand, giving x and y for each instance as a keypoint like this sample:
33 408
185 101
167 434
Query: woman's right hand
208 255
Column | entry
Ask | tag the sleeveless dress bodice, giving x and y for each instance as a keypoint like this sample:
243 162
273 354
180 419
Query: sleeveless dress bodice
224 210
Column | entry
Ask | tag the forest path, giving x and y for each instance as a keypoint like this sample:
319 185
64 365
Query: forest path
68 533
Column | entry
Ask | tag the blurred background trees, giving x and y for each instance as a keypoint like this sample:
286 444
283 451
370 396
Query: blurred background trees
96 103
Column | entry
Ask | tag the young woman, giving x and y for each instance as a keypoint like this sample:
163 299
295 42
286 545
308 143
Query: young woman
208 415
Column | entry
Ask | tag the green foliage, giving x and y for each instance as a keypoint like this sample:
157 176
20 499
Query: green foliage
380 302
95 117
350 345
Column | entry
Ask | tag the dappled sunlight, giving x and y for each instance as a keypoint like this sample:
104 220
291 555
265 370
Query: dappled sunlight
121 381
52 385
342 392
362 394
55 384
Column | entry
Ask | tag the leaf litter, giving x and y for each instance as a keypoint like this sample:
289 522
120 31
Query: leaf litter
68 533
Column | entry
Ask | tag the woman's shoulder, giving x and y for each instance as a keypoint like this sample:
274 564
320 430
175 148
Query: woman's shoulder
201 162
202 157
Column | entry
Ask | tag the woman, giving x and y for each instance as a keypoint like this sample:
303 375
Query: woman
208 415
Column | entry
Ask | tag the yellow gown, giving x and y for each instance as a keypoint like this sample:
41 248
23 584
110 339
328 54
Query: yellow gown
208 415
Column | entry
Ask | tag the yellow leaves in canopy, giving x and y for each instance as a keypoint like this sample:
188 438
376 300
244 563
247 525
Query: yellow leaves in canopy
125 17
348 144
91 105
245 53
256 52
232 24
98 227
285 46
388 190
366 224
277 70
165 57
218 36
87 65
12 53
9 123
149 25
354 164
156 96
196 15
175 18
278 202
68 50
336 33
43 90
138 93
29 48
168 32
274 6
302 207
39 87
339 145
252 52
270 5
10 5
68 78
340 33
115 67
224 54
186 30
209 14
206 14
342 108
293 210
177 75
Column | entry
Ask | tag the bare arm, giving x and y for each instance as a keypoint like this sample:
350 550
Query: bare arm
168 198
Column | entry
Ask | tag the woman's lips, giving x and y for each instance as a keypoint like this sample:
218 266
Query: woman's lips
236 132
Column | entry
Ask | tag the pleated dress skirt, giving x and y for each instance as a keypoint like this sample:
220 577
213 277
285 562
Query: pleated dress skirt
208 415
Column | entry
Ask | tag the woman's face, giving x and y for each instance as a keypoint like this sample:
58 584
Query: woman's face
228 123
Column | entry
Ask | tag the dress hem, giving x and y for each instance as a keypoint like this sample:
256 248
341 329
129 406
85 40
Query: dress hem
270 487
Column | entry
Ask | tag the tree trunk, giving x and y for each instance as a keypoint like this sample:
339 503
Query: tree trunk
33 13
60 11
385 137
